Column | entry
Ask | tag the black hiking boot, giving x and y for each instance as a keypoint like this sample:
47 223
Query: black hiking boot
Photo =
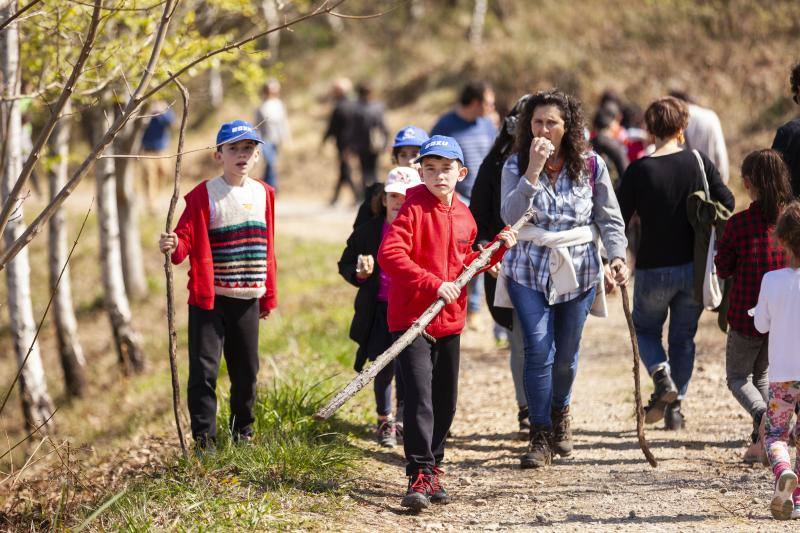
204 446
438 493
539 453
562 432
418 495
664 393
524 424
673 418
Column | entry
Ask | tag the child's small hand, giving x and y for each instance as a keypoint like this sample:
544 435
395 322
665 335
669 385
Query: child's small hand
365 266
264 314
508 236
168 242
448 291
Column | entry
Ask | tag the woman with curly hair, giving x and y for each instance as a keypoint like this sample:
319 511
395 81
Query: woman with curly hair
554 276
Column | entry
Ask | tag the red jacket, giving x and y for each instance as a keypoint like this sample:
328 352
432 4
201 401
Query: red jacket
427 244
192 231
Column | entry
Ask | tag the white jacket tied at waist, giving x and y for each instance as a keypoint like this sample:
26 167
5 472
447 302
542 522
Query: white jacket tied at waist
562 272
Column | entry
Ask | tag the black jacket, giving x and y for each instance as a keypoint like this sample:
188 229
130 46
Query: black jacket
365 240
787 142
485 207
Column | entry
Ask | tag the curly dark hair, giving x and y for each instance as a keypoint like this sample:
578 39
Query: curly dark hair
794 81
787 230
573 144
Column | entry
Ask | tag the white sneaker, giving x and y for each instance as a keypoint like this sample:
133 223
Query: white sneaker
782 506
796 512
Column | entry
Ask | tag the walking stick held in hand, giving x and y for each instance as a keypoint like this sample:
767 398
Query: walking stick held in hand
173 336
637 391
416 329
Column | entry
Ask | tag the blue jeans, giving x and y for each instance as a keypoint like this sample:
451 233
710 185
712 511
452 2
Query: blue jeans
658 291
551 335
270 153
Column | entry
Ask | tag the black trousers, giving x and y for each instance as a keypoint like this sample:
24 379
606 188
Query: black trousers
345 178
369 169
230 328
430 380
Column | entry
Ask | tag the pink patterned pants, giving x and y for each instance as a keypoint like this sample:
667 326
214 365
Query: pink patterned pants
783 397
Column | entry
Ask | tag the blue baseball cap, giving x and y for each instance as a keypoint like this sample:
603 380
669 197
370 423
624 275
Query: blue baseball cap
237 130
441 146
410 136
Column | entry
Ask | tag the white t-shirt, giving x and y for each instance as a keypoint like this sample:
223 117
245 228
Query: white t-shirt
778 312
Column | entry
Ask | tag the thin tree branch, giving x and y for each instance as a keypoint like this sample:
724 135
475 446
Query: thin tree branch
117 9
16 15
173 336
31 434
12 200
130 109
46 310
365 17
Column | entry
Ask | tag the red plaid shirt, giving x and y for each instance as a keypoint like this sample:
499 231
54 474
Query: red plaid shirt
745 253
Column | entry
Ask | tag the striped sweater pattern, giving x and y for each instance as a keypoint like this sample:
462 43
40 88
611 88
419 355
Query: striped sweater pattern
238 237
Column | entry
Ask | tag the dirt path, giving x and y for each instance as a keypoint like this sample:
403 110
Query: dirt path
606 484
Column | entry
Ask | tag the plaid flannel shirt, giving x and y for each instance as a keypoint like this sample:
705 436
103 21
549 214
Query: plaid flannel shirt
568 205
745 253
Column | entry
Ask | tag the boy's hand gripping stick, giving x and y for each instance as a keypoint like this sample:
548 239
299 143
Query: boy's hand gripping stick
416 329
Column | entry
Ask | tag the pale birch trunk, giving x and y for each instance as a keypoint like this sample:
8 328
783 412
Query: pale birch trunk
269 9
478 23
216 90
36 404
69 347
129 142
126 339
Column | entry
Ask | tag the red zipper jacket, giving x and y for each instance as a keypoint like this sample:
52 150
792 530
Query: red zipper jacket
192 231
427 244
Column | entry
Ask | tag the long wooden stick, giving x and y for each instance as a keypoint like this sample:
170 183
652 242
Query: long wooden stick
637 390
173 336
416 329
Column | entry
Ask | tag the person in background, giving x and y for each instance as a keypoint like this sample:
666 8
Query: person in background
485 208
369 134
273 125
704 133
787 138
340 125
657 188
369 327
776 313
605 143
747 251
155 140
471 126
637 141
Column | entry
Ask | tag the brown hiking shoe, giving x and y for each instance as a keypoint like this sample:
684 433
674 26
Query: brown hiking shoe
539 453
562 432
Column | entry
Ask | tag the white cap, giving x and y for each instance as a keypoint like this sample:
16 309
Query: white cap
400 179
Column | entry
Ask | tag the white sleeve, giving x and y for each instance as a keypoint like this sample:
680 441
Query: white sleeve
761 311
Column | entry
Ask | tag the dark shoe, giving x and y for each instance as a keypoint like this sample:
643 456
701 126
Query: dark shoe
673 418
562 432
244 436
438 493
539 453
418 495
524 424
386 433
204 446
665 392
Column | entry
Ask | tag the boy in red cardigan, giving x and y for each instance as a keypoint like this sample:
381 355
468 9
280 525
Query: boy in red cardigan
227 229
424 251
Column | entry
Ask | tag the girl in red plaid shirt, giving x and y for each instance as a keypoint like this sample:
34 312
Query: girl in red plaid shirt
747 251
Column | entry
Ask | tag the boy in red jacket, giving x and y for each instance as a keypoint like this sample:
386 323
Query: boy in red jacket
424 251
227 229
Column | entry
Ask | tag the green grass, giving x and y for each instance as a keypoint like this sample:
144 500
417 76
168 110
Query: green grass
295 468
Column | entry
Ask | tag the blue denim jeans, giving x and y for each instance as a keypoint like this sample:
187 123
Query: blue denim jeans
270 153
658 292
551 335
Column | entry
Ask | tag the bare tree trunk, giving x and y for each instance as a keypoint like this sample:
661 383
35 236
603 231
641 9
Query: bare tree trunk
269 9
478 23
126 339
216 90
416 9
69 347
36 404
129 142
